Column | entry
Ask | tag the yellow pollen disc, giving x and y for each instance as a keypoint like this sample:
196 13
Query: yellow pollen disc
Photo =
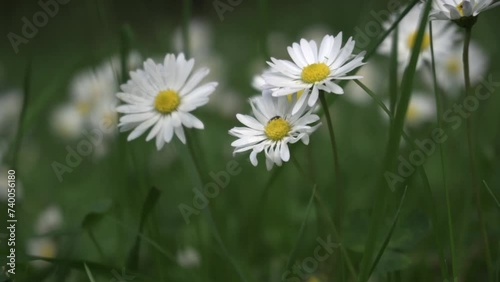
315 72
167 101
290 97
412 112
426 42
83 107
460 8
453 66
48 250
277 128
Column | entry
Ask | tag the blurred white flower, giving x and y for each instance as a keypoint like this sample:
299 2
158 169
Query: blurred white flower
226 103
11 103
445 37
41 247
450 71
422 108
4 185
188 258
372 77
49 220
315 32
313 70
200 39
68 121
456 9
272 127
162 96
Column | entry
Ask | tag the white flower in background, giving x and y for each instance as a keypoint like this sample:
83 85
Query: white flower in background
92 87
188 258
373 77
134 61
456 9
313 69
4 187
200 39
445 37
162 97
226 103
315 32
259 83
11 103
41 247
421 109
68 121
450 71
49 220
272 128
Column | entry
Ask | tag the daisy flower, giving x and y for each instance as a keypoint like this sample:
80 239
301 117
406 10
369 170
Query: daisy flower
41 247
161 97
456 9
450 69
188 258
313 69
421 109
272 128
444 38
49 220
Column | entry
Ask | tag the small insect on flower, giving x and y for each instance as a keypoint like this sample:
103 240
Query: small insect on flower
313 70
161 97
272 128
455 10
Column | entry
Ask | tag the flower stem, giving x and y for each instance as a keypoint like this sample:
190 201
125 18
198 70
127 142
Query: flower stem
339 197
442 157
472 156
208 212
323 208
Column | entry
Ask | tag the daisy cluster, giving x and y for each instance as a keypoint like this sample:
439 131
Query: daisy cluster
91 104
159 98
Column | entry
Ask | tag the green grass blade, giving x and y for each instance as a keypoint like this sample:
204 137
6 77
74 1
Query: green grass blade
186 17
491 194
442 157
393 147
20 129
389 234
431 206
208 213
293 253
89 274
149 204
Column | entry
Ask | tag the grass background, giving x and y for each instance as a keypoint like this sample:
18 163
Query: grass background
258 222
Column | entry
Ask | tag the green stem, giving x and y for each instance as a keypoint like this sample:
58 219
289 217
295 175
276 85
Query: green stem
186 16
324 209
472 156
339 197
442 157
208 212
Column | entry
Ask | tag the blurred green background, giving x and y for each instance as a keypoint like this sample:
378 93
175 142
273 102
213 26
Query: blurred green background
259 214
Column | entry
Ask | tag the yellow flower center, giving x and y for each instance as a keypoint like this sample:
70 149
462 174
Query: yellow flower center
412 113
290 97
315 72
453 66
48 250
83 107
277 128
167 101
426 42
460 8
